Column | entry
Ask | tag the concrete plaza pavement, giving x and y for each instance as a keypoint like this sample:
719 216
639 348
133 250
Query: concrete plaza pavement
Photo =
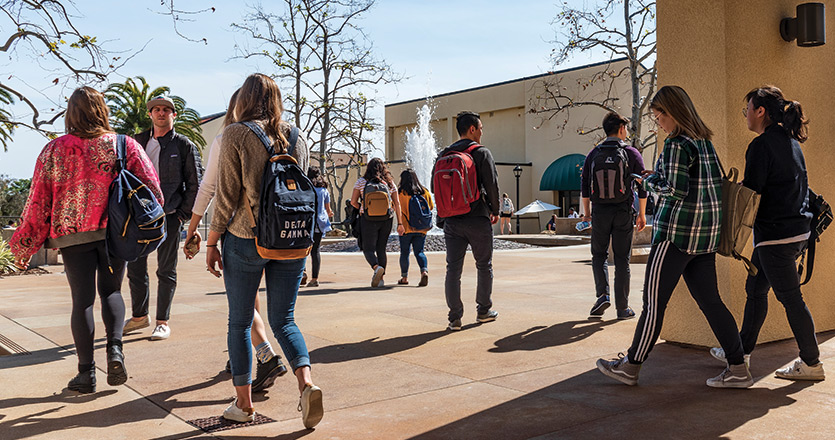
389 369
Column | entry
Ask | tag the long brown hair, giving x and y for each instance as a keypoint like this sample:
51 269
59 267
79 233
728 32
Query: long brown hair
787 113
675 102
87 114
231 115
259 99
376 170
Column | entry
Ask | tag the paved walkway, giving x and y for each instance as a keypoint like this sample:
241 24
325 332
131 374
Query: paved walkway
390 370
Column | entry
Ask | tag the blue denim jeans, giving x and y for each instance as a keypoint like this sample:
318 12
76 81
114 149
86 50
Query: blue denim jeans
242 269
416 241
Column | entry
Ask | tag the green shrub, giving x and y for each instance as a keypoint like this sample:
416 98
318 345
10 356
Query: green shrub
6 258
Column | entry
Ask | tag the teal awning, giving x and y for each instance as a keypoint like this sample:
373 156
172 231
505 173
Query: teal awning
563 174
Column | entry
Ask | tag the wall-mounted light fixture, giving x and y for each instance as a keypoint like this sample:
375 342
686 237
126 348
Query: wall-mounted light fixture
808 27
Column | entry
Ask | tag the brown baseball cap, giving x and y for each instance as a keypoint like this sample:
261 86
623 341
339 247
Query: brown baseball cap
160 100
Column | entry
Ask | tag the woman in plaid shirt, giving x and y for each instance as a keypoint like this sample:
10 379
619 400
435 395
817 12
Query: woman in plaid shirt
688 183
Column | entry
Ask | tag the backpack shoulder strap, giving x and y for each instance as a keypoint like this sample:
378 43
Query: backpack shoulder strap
472 148
261 135
294 137
121 153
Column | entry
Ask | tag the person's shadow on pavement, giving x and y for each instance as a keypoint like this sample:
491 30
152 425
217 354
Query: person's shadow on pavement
539 337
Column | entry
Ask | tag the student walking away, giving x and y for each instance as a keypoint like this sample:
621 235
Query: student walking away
375 195
685 239
416 219
177 163
606 193
324 213
243 157
505 214
269 365
775 168
466 210
67 209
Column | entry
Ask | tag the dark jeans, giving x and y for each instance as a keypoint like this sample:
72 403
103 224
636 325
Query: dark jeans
478 233
416 241
83 264
665 266
140 293
375 235
613 222
777 269
242 269
315 255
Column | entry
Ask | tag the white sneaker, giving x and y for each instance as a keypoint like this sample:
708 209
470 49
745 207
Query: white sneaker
236 414
162 331
132 326
800 371
310 404
719 354
378 276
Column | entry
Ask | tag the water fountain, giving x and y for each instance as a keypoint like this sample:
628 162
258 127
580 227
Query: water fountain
421 150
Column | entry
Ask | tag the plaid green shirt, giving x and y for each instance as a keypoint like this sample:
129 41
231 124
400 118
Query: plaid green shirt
688 182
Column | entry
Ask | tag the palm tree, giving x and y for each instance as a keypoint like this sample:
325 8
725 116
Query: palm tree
128 114
6 127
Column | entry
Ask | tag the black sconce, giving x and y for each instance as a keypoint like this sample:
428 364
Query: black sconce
808 27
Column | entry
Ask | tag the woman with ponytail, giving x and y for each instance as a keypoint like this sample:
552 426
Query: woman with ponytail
775 168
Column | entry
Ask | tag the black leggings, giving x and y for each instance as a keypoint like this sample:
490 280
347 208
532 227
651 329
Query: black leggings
375 236
315 255
665 266
81 264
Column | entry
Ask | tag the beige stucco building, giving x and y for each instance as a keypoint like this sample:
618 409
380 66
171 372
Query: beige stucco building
518 135
719 50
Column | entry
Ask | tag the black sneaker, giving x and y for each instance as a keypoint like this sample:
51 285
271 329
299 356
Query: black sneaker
600 306
626 313
228 368
454 325
487 317
267 372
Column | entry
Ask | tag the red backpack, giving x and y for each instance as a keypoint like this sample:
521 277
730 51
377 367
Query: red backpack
455 184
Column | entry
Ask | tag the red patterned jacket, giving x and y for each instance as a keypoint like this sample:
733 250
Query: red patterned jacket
70 190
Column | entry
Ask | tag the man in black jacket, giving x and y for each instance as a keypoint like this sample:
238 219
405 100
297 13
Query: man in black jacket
473 228
177 162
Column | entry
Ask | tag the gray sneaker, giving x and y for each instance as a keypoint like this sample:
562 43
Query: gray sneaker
734 376
454 325
719 354
798 370
487 317
620 369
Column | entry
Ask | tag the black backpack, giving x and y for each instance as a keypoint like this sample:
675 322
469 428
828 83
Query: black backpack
135 219
821 219
287 207
610 181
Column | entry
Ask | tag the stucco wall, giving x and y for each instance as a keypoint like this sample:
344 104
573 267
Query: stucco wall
718 51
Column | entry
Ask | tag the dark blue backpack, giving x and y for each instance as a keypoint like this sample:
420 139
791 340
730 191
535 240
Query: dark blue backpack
287 208
420 216
135 219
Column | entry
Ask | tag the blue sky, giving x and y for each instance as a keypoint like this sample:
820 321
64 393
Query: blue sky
441 46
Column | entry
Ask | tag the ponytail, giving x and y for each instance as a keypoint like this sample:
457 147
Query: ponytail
788 114
795 122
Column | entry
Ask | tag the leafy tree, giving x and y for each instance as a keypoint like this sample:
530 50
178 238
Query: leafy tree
13 195
129 114
324 64
620 28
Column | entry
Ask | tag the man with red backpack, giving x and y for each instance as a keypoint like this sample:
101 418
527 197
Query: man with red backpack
466 189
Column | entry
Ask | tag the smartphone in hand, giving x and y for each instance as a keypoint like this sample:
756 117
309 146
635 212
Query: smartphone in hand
193 246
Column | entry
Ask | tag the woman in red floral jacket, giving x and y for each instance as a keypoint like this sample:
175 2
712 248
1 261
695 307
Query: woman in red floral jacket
67 209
